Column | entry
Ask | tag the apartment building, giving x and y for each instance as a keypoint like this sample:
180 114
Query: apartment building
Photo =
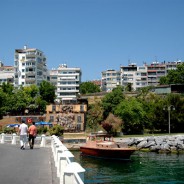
155 71
172 65
30 67
136 75
110 80
6 74
67 81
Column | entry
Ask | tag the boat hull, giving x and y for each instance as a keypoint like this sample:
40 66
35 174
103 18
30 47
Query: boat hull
116 153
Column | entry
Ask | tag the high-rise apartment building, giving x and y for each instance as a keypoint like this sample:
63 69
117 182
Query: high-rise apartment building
136 75
172 65
110 80
30 67
155 70
67 81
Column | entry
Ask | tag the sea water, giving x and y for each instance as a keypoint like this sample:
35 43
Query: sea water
143 168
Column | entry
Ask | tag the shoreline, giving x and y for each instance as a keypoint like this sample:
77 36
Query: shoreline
159 144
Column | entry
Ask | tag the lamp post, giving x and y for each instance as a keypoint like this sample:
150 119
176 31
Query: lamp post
169 108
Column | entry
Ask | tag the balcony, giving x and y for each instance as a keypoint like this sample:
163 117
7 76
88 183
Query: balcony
30 74
30 79
30 54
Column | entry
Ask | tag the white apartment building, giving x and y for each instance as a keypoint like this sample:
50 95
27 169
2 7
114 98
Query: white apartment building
136 75
29 67
110 80
67 81
172 65
6 74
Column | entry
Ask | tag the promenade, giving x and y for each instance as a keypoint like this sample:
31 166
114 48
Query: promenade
29 166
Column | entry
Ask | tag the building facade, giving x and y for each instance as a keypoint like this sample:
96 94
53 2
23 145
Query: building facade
6 74
71 116
110 80
67 81
137 76
29 67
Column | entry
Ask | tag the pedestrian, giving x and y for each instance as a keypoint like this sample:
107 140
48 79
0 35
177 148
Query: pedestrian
23 130
32 134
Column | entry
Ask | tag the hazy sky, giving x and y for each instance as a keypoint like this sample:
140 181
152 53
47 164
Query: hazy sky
94 35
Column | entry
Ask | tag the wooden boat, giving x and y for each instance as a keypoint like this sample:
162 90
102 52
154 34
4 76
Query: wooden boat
103 146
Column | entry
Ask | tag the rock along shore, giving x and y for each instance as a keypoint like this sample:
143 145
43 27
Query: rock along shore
171 143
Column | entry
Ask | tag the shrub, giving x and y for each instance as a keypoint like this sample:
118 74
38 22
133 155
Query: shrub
56 130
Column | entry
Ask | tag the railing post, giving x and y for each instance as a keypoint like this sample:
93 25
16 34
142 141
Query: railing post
61 149
65 158
14 138
2 138
43 141
74 174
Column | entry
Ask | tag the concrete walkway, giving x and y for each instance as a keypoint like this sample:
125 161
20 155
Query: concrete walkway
29 166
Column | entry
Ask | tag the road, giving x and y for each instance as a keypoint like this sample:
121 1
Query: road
29 166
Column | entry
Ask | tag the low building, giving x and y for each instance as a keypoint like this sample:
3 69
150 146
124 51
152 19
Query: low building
172 88
6 74
71 116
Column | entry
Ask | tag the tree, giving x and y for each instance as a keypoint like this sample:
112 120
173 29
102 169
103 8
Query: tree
3 98
7 88
111 100
31 90
174 76
94 116
88 87
129 87
47 92
132 114
112 124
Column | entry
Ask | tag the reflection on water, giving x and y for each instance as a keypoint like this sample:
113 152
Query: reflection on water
144 168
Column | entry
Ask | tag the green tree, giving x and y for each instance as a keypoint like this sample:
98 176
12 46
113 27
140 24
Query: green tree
88 87
129 87
132 114
176 113
111 100
3 98
47 92
31 90
174 76
94 116
19 101
7 88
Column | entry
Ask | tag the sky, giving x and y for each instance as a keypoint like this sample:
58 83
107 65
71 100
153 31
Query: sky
94 35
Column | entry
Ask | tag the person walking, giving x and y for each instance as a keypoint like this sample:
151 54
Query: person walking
23 130
32 130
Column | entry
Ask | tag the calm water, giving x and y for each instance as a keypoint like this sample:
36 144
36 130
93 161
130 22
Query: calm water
144 168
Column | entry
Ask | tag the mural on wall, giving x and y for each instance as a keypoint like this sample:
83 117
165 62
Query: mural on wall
67 121
67 108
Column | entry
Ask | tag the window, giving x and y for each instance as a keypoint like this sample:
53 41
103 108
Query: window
53 108
79 119
51 118
82 108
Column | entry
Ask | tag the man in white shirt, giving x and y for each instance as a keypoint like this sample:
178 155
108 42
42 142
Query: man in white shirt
23 131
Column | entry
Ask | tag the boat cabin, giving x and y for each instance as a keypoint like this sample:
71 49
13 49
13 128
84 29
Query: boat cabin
101 141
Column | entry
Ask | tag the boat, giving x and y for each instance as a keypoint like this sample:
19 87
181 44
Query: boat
102 145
